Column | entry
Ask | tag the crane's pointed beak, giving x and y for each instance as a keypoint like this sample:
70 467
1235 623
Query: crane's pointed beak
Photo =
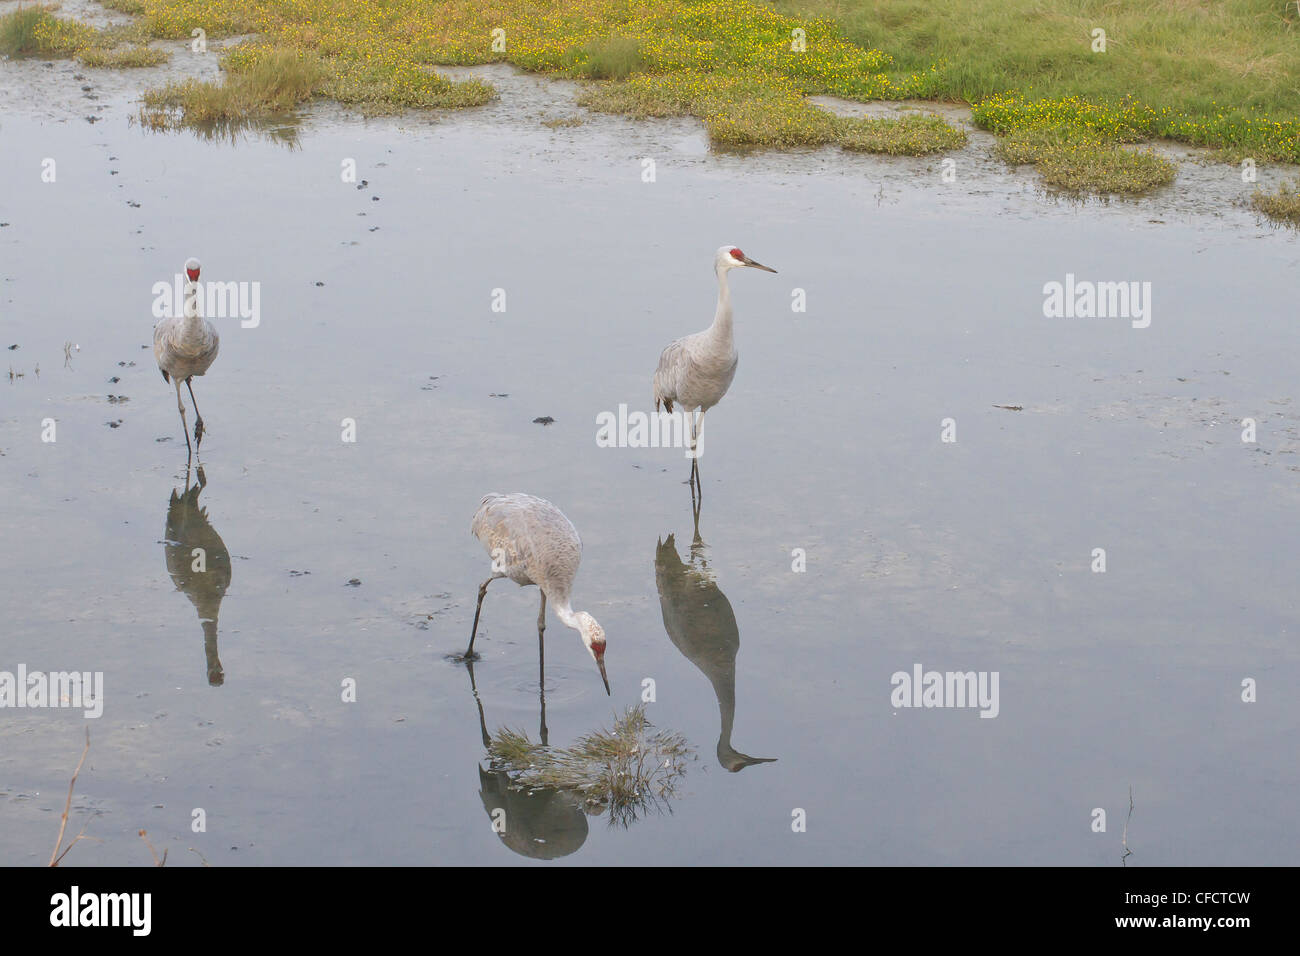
757 265
600 662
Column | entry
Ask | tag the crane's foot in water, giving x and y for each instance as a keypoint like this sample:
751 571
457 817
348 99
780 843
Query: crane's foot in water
469 657
198 432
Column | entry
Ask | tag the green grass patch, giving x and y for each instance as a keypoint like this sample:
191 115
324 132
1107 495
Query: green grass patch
1086 162
913 134
1219 74
611 58
752 109
1282 206
36 31
123 57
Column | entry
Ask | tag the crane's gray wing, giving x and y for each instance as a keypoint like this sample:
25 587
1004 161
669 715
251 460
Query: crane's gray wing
536 541
673 362
497 528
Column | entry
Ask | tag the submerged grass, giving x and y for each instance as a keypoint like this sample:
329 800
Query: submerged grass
626 771
1282 206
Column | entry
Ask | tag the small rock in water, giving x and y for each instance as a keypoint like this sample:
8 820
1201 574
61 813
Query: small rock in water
354 582
12 347
114 424
544 420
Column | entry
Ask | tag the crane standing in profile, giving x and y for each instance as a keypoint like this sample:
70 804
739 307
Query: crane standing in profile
696 371
185 346
530 541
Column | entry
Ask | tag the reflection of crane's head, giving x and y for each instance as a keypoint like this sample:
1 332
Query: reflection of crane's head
730 257
593 635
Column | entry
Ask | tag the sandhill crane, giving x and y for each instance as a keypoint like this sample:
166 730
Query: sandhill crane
199 564
701 624
530 541
185 346
696 371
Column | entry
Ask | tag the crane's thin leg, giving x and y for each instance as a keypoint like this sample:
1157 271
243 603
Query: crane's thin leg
689 417
185 428
198 418
482 592
695 513
541 666
695 462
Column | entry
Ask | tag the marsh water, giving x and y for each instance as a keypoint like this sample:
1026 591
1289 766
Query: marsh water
332 561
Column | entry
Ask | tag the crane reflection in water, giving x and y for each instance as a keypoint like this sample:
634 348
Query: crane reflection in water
701 624
199 564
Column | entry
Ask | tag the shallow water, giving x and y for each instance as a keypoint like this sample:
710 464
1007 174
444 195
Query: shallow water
924 302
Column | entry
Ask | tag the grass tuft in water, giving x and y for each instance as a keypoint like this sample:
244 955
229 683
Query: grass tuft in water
1282 206
125 57
1084 161
626 771
258 89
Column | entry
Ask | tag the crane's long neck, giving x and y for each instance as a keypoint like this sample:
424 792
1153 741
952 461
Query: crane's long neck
566 613
193 307
720 330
